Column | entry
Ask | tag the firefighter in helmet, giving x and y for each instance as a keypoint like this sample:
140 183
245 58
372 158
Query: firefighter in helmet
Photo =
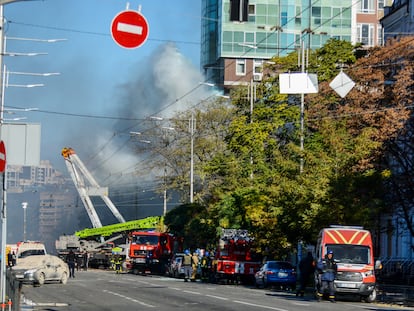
327 269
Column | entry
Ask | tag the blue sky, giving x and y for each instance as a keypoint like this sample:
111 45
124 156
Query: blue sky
98 77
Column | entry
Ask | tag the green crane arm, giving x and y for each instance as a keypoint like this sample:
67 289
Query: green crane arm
146 223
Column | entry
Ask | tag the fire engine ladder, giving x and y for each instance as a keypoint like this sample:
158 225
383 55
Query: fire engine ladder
76 169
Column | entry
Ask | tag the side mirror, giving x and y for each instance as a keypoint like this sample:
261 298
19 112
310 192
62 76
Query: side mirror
378 265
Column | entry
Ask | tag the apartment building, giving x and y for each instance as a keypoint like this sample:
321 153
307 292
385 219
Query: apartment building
238 36
398 19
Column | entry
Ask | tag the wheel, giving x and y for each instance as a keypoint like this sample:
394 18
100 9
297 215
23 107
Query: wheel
41 279
64 278
371 297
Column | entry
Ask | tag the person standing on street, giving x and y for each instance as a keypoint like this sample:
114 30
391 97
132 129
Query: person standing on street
306 269
187 265
194 266
85 260
327 268
71 260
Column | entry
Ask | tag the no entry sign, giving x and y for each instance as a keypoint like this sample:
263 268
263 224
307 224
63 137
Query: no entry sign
129 29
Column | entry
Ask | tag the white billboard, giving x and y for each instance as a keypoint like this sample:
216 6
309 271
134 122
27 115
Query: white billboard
298 83
22 143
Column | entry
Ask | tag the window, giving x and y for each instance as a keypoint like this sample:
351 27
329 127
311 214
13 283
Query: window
252 13
239 10
284 18
240 67
298 16
367 6
365 34
381 4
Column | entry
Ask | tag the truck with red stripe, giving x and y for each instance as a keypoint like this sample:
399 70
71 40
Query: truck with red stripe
354 254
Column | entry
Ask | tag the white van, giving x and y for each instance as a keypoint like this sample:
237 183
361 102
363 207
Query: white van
29 248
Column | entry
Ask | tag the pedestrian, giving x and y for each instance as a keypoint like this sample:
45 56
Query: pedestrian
306 269
85 260
187 265
205 266
118 264
11 259
327 269
78 262
71 260
194 266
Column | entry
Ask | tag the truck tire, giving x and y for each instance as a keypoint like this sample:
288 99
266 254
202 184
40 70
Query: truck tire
371 297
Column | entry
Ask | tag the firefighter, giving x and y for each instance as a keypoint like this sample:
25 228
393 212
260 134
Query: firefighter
187 265
117 264
194 265
327 269
205 267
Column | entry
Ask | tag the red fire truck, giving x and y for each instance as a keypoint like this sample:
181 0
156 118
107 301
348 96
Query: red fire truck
235 259
150 251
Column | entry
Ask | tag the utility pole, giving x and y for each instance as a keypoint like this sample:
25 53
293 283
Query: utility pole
302 112
252 98
192 130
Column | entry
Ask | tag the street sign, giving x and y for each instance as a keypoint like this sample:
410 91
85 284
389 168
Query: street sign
129 29
2 157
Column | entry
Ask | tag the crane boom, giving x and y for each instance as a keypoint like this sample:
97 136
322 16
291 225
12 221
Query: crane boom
79 173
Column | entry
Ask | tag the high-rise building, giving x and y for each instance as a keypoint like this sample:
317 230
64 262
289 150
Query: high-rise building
238 36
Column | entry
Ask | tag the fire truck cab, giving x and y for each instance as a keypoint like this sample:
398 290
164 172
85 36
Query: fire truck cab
354 255
150 251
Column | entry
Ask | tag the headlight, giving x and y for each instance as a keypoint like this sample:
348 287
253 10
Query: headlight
368 273
30 271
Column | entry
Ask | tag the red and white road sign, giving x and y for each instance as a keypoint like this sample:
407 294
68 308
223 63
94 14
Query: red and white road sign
129 29
2 157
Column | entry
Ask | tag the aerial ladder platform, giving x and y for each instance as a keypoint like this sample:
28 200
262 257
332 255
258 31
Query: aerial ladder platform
87 187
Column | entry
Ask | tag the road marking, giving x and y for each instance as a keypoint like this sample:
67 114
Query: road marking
129 298
191 292
258 306
217 297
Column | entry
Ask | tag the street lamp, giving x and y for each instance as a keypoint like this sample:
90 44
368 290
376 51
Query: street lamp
24 205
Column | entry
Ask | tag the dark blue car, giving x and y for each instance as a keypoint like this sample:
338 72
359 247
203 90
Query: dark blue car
281 274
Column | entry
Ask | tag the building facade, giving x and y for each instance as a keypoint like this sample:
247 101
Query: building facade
398 19
238 36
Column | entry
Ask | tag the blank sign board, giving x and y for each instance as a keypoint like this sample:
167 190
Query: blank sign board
22 143
298 83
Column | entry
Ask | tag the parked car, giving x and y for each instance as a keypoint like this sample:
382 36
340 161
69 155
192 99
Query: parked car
276 273
175 268
39 269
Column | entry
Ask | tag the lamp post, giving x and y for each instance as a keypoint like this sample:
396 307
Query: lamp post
24 206
4 192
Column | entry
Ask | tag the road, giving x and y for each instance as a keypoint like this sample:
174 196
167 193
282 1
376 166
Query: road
94 290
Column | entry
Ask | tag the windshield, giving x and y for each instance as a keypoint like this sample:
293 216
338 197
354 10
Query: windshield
31 252
145 239
345 253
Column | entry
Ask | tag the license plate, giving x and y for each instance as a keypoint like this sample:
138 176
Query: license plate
140 260
282 274
347 285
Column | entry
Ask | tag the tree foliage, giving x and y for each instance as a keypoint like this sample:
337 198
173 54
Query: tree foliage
248 161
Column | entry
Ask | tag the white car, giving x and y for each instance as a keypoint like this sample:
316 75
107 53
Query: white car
39 269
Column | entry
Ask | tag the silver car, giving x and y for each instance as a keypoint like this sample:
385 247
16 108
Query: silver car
39 269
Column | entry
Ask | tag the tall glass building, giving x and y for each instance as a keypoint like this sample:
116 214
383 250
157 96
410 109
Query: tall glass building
237 36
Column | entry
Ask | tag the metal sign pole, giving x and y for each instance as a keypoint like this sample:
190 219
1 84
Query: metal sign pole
3 238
